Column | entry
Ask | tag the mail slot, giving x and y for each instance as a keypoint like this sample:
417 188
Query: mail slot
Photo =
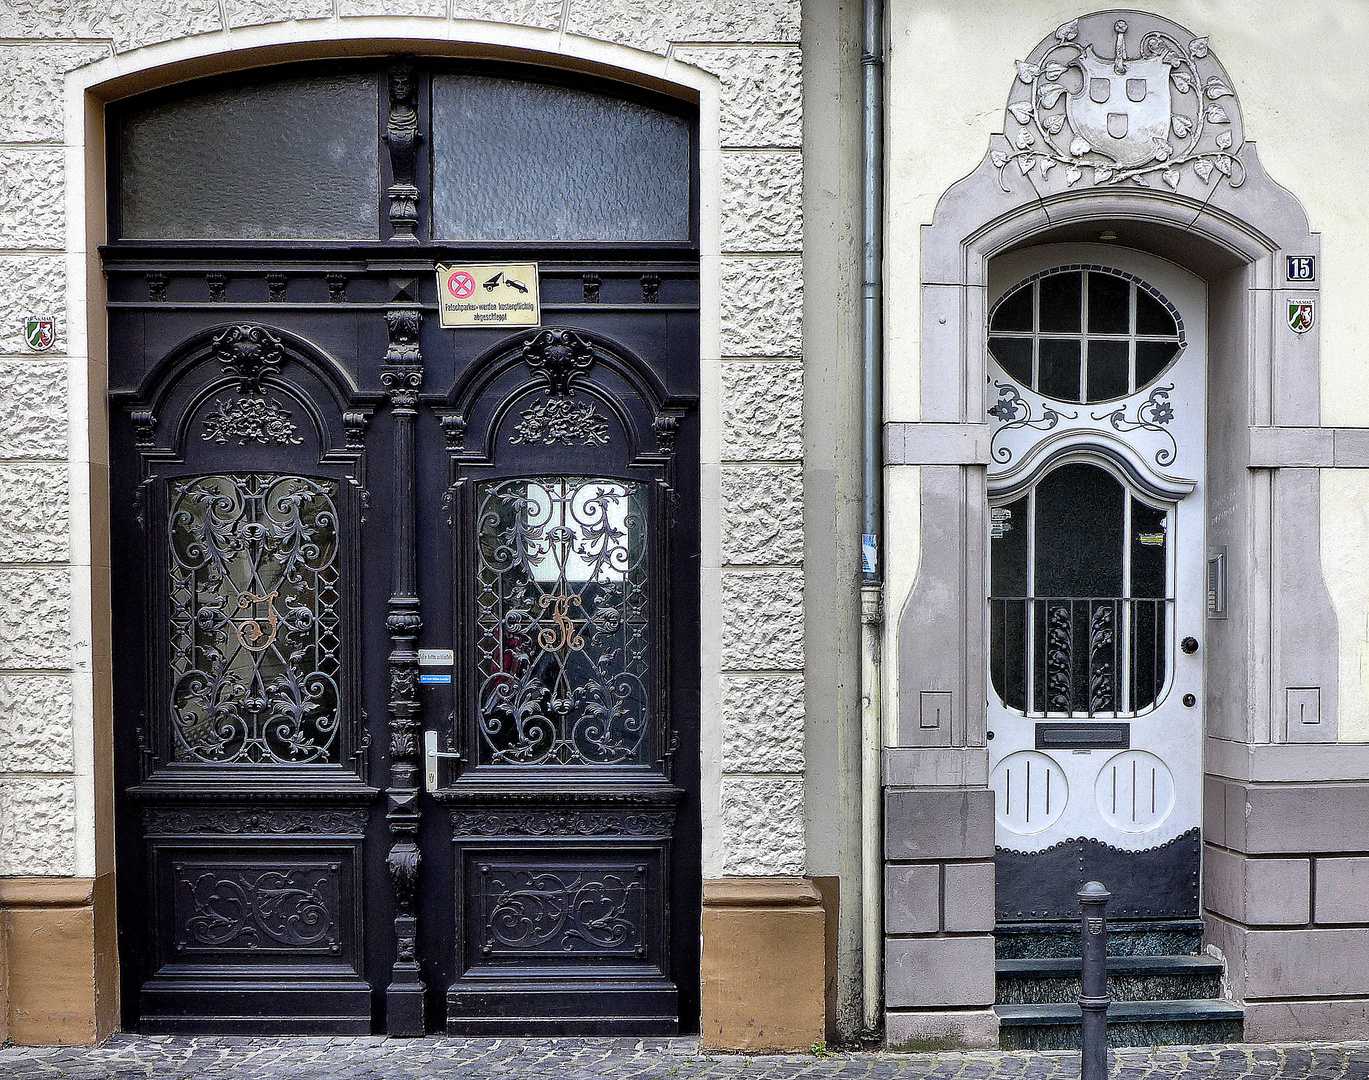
1083 736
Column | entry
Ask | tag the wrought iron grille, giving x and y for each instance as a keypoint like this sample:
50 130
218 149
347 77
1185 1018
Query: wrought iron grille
255 623
563 613
1079 656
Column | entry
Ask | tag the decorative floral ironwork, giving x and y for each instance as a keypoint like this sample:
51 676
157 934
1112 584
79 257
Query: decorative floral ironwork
248 353
1102 672
562 621
231 909
1118 116
563 912
466 823
249 420
1153 414
559 420
255 624
1015 411
1059 658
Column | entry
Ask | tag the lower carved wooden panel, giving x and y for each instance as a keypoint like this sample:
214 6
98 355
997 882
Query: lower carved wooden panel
254 933
563 934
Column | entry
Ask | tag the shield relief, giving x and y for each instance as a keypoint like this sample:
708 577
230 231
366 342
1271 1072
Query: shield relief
1121 115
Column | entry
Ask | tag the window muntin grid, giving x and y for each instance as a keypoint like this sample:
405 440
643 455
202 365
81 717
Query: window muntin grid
1085 334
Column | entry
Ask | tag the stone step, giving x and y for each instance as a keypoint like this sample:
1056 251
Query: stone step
1055 979
1168 937
1130 1023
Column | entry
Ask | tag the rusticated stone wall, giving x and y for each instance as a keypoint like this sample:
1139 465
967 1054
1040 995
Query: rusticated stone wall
753 488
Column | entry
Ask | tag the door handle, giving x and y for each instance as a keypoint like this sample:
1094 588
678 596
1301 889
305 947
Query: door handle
430 756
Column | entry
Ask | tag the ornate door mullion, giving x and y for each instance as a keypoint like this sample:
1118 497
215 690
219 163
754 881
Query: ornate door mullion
402 377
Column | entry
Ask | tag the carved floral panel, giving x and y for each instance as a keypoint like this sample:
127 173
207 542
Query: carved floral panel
238 908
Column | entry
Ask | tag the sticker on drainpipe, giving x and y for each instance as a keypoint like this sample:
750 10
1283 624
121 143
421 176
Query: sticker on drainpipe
869 553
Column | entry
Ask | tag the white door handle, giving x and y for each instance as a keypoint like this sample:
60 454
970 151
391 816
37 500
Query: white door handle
430 755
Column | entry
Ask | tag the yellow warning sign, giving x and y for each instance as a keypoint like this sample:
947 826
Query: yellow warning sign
488 294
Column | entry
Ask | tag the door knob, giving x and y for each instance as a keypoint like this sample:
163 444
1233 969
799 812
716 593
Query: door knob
1189 645
430 756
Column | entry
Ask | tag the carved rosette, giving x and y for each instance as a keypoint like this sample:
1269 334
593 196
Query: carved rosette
1108 101
248 353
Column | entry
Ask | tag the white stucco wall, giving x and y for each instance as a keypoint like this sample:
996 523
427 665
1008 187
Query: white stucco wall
1302 97
741 57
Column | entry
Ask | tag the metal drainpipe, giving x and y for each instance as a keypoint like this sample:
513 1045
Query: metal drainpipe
872 459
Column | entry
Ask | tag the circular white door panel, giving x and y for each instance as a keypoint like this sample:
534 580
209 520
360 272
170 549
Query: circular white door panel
1031 791
1135 791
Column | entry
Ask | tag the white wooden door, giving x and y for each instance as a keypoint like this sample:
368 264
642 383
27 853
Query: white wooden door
1096 607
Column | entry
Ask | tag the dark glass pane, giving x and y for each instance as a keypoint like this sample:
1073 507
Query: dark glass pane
1007 617
1149 539
1079 538
1057 373
1152 317
1014 356
1108 375
1061 302
255 630
1014 313
1152 357
562 617
519 160
289 159
1109 304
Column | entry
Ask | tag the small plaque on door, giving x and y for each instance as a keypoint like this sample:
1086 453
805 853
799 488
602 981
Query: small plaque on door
493 295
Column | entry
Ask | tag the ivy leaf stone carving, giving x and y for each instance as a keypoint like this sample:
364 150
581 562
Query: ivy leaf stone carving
1181 124
1198 47
1217 115
1072 175
1182 80
1079 146
1053 71
1068 32
1053 124
1222 164
998 158
1027 72
1025 163
1025 139
1171 178
1217 89
1224 140
1021 110
1102 174
1050 95
1047 164
1204 171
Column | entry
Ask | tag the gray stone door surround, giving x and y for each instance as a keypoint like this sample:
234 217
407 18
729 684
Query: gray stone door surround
1230 224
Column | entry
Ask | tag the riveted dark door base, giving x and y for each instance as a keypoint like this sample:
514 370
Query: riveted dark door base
1158 883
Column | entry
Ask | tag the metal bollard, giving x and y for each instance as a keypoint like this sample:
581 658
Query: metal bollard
1093 990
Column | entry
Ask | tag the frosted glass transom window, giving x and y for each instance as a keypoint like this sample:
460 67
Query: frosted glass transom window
1084 334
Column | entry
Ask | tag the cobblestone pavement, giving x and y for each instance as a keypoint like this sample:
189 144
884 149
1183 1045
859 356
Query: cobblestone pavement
127 1057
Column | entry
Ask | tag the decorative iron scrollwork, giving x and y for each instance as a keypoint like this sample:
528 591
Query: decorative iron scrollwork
249 419
1153 414
1102 652
562 621
248 353
255 628
1059 657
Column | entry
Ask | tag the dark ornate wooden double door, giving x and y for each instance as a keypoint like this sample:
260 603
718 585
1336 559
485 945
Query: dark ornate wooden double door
406 712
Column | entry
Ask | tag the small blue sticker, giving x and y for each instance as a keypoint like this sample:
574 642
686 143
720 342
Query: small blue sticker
434 677
869 553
